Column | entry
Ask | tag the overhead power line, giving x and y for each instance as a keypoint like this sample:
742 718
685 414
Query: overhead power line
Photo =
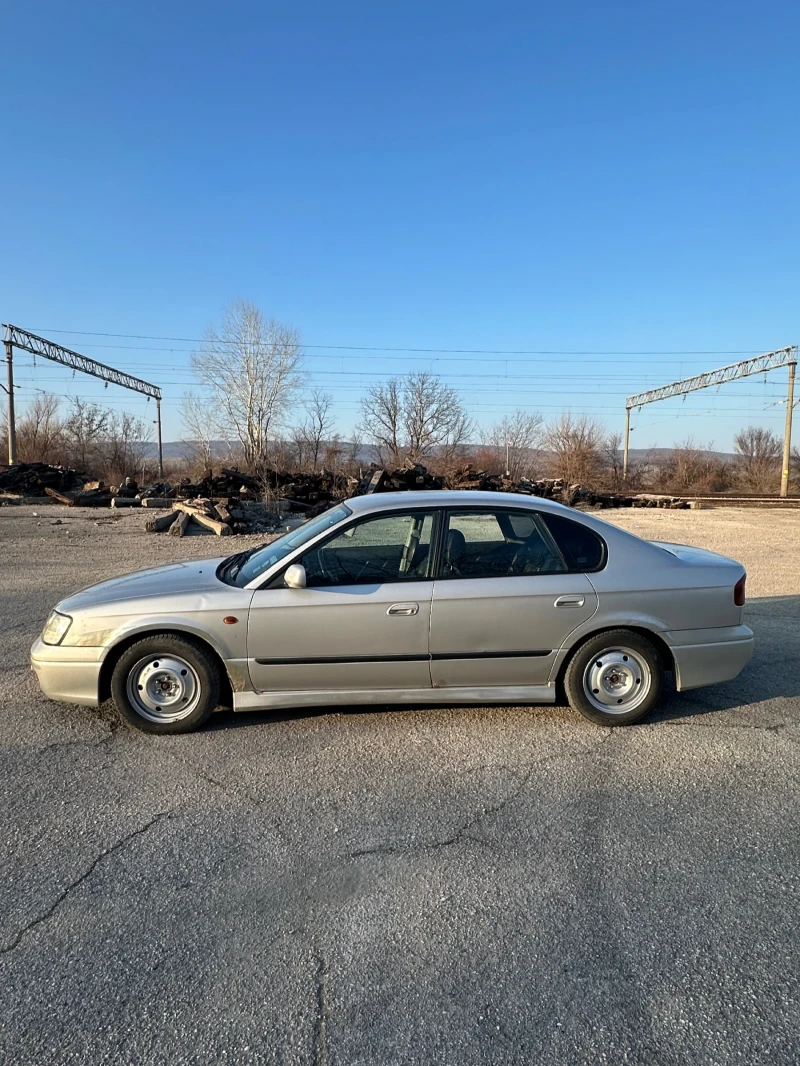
381 348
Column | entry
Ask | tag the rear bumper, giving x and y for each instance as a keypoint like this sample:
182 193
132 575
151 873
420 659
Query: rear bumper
708 656
68 674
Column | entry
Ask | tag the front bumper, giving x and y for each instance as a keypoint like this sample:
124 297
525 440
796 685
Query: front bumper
68 674
710 655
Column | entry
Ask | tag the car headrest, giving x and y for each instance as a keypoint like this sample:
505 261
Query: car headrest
456 545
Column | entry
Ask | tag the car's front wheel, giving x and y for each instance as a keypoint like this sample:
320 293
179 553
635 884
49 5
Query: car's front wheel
615 678
166 684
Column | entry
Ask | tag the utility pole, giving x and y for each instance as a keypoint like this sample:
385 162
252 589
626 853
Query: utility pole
508 467
12 425
787 432
627 443
158 431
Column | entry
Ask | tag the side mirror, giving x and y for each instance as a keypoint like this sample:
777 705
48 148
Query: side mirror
295 576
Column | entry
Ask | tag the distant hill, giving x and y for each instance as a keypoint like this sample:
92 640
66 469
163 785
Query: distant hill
178 449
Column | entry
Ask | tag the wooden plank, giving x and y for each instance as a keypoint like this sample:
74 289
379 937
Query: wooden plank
159 502
164 521
125 501
375 482
179 524
222 529
68 501
223 513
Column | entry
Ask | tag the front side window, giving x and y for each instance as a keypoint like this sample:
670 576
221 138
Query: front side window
498 544
242 568
394 547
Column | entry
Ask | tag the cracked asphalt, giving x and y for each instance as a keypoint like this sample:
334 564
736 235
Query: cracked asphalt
448 886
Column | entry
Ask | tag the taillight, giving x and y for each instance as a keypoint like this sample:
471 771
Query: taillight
738 591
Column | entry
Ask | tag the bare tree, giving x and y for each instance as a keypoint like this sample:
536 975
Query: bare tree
85 428
40 430
125 445
574 444
611 451
198 438
413 417
758 459
382 420
249 369
517 436
315 428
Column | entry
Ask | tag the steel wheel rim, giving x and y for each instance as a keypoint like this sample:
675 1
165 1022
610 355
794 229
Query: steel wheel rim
617 680
163 688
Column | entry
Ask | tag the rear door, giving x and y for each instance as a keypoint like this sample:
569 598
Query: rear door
363 620
505 600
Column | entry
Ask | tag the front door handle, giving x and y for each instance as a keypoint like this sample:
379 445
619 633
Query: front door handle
570 601
403 608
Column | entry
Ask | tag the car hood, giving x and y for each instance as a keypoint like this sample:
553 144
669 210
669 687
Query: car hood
196 576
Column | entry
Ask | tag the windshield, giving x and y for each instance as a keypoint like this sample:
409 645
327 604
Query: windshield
242 568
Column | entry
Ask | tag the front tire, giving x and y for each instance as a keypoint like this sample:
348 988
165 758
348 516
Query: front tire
166 684
615 678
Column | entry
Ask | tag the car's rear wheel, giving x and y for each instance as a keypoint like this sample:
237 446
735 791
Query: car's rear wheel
166 684
615 678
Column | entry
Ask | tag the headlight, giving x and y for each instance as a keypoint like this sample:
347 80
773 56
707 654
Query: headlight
55 628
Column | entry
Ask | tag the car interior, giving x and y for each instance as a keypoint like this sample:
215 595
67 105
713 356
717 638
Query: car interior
398 548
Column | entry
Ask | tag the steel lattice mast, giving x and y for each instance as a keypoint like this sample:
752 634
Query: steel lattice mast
31 342
757 365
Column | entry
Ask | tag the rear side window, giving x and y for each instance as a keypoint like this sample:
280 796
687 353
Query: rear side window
497 544
581 547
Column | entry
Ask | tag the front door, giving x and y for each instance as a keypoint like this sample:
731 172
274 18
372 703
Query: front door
504 602
363 620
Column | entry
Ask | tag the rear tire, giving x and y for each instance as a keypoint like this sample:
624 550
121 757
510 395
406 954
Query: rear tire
615 678
166 684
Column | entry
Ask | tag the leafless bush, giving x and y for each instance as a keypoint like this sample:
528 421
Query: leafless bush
694 468
758 459
40 431
95 440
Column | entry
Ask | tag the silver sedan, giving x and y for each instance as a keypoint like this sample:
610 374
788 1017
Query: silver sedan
449 597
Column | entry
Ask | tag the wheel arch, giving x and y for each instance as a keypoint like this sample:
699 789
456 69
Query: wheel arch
116 651
664 650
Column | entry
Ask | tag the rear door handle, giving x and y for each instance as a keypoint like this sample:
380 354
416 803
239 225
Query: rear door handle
403 608
570 601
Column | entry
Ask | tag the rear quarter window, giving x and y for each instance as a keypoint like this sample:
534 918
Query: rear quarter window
582 548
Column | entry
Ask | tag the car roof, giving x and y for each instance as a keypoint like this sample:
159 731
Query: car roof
381 501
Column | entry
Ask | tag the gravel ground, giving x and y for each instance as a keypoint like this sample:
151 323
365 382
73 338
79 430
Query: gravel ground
448 886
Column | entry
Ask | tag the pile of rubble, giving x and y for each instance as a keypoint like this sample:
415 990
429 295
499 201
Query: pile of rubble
223 519
309 493
237 500
415 476
33 479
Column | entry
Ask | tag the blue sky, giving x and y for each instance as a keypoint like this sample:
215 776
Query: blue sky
616 178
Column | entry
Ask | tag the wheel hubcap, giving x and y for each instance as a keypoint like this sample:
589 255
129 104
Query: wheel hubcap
163 688
617 680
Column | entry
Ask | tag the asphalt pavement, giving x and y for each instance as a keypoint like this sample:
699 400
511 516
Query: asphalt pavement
425 885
